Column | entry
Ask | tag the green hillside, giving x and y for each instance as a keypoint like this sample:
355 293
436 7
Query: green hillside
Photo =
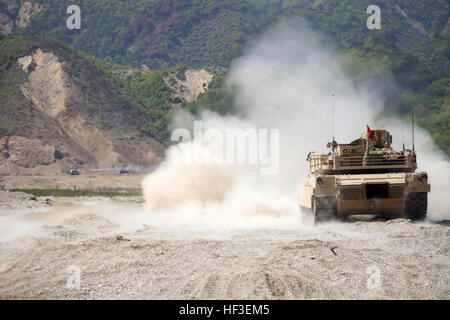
411 48
206 32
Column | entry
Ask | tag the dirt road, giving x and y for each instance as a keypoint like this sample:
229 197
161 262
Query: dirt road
94 181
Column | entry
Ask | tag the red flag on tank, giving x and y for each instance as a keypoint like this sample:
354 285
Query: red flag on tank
369 133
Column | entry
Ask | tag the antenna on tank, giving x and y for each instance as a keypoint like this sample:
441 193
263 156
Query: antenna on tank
403 135
412 124
333 143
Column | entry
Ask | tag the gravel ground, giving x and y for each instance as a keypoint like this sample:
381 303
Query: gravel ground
122 252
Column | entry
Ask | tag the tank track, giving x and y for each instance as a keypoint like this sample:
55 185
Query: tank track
324 209
416 205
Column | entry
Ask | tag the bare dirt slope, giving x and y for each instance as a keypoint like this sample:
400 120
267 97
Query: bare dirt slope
188 84
62 112
123 252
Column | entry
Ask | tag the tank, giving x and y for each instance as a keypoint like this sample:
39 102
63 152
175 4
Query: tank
364 177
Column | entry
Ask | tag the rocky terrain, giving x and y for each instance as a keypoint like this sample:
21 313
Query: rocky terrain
60 111
122 251
17 14
65 113
188 84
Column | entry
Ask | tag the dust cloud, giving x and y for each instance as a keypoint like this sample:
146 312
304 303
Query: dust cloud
291 80
195 238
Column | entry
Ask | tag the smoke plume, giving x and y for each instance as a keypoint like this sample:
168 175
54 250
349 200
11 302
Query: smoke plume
291 80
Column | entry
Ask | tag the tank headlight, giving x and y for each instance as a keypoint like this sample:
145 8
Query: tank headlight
319 181
423 177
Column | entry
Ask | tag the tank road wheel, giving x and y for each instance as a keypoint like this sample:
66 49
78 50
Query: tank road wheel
416 205
324 209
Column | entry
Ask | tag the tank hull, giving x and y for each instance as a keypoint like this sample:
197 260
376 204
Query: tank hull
389 207
388 194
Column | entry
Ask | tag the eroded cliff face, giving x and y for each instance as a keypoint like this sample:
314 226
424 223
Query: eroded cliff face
75 140
26 12
45 82
48 87
188 84
18 15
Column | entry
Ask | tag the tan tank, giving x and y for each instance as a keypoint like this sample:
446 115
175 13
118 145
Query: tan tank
364 177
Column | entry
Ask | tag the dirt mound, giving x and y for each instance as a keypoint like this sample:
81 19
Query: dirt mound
19 200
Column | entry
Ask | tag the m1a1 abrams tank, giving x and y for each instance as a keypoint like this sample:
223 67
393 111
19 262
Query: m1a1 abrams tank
365 177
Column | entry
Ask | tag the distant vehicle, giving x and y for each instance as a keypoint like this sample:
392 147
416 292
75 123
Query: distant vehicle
365 177
124 172
74 172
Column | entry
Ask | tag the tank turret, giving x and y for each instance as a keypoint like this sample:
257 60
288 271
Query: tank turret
371 153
